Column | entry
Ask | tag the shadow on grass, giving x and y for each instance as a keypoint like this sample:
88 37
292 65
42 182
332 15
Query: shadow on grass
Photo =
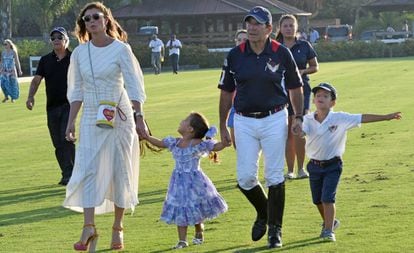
35 215
32 188
31 194
290 246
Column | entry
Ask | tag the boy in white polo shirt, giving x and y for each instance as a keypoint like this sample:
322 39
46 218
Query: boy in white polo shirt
325 132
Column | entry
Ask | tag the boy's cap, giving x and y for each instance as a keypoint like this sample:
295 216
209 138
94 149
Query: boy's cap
60 30
327 87
261 14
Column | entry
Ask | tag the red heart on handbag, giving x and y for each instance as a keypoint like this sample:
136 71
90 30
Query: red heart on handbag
108 114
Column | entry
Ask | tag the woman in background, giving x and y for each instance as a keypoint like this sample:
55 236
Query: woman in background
10 67
306 60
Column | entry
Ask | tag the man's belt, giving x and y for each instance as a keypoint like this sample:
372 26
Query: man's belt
259 115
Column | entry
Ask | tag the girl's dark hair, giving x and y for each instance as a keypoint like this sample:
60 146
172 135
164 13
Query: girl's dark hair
113 28
279 36
200 125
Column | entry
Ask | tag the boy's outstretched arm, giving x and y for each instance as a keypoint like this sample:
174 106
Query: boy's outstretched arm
155 141
367 118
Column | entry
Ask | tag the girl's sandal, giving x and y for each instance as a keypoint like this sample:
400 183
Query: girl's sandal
181 244
198 238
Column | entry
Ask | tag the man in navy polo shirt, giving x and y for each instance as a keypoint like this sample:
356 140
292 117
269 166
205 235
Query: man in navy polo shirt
261 74
54 68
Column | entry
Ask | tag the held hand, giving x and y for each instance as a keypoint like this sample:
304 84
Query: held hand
70 132
225 137
141 128
20 73
297 127
30 103
395 115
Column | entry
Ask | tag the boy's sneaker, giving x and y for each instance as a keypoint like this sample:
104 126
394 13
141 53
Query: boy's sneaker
290 175
335 226
302 173
328 235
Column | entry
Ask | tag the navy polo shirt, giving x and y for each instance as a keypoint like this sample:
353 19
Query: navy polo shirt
302 52
261 81
55 72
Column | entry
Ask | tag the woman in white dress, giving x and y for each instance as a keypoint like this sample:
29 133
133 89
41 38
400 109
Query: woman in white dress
105 175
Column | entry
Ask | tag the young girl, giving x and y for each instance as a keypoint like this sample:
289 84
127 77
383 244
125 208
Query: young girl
191 196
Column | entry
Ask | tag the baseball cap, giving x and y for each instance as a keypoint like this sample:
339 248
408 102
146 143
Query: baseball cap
327 87
261 14
60 30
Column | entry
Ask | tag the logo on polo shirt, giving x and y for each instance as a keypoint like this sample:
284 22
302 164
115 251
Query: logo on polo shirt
272 66
332 128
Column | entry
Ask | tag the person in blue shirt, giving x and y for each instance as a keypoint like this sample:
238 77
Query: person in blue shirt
261 74
306 60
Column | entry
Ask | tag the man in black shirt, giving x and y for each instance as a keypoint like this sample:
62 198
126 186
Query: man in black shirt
54 67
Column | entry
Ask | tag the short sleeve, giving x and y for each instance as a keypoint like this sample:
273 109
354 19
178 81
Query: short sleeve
205 147
40 70
306 122
169 142
226 81
132 74
312 53
293 79
351 120
75 82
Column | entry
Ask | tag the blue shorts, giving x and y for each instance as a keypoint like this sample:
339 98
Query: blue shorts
306 100
230 120
324 181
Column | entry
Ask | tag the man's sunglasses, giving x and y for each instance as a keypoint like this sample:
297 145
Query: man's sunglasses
59 37
95 16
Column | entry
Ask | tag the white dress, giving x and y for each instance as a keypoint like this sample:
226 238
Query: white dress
107 160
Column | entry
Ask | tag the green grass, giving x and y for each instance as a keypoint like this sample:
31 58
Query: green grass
375 199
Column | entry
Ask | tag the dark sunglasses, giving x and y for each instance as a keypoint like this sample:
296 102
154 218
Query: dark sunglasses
56 38
5 44
95 16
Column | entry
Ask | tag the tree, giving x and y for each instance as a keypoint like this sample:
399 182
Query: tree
5 15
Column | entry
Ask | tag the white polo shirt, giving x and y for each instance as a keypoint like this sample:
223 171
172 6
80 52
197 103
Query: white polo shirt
156 45
176 46
326 140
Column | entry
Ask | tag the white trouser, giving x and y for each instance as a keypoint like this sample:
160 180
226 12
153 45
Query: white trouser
254 136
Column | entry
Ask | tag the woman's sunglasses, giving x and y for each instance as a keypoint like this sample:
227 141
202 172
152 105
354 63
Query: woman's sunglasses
59 37
95 16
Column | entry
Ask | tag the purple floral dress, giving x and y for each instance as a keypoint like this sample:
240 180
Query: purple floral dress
191 197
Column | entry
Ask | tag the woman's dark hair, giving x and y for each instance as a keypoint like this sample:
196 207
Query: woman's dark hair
113 28
279 36
200 125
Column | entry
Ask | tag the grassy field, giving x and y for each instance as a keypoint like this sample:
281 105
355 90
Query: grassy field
375 199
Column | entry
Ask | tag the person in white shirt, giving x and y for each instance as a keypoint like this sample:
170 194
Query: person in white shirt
174 45
313 35
325 132
157 53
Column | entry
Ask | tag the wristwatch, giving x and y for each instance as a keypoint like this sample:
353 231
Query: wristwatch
139 114
299 117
